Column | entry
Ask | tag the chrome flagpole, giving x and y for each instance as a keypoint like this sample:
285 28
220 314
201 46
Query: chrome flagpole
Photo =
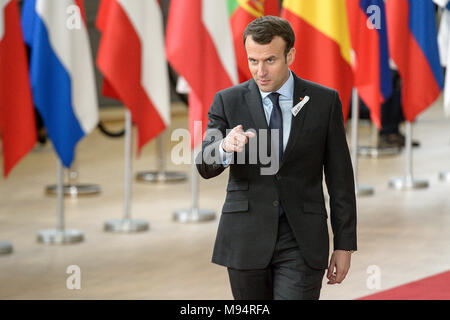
361 190
60 235
444 176
194 214
373 150
408 182
73 188
127 224
161 174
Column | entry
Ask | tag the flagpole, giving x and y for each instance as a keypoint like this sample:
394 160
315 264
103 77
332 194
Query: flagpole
194 214
73 188
161 174
127 224
5 248
59 235
408 182
373 151
361 190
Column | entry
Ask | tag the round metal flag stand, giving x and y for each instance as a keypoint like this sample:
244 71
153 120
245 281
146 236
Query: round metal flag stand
5 248
194 214
127 224
73 188
161 175
376 152
408 182
444 176
361 190
59 235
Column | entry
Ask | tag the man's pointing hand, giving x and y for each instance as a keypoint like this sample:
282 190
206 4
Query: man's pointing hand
236 139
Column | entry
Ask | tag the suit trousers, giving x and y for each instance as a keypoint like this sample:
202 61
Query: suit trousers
287 277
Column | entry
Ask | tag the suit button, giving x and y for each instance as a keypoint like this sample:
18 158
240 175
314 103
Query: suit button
278 177
276 203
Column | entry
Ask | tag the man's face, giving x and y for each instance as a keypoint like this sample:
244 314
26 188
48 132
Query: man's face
268 64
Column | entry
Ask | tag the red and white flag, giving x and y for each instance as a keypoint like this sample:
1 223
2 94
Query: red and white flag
199 46
17 120
132 60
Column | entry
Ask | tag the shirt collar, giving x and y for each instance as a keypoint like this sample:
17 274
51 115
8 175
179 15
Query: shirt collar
286 90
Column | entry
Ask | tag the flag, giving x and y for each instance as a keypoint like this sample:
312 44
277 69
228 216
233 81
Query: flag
241 13
61 71
199 47
323 50
132 60
413 47
444 49
372 76
17 122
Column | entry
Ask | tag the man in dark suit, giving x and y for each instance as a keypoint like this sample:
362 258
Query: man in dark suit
273 233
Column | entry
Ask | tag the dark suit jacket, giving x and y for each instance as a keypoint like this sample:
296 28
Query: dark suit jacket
317 143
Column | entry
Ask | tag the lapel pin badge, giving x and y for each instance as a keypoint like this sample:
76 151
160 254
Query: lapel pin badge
296 109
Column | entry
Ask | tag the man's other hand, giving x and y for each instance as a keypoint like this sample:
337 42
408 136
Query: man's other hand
340 260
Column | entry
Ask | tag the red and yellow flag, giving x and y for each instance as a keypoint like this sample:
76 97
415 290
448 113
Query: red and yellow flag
322 44
241 13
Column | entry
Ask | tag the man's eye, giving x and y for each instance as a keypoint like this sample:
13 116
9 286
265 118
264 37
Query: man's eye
270 60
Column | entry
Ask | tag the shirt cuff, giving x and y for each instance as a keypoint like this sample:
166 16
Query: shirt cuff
225 156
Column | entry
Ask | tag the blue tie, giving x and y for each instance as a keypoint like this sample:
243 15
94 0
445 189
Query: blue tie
276 122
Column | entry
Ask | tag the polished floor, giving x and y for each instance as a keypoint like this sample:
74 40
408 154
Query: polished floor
404 235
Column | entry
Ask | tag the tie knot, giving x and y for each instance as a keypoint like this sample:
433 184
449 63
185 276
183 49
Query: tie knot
274 98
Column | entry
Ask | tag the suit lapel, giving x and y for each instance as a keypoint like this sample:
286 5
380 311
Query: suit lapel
300 90
255 106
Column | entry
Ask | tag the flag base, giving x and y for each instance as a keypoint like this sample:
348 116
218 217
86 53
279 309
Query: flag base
364 190
54 236
444 176
75 190
407 183
126 225
194 215
157 176
374 152
5 248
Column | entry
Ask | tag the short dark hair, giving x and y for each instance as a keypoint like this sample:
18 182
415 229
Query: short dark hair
265 28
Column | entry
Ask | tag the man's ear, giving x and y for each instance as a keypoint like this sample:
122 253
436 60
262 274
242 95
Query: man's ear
290 57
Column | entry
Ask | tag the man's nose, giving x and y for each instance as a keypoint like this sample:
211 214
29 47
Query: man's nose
261 70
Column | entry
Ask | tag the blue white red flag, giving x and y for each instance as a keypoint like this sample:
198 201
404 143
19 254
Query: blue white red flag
413 46
61 71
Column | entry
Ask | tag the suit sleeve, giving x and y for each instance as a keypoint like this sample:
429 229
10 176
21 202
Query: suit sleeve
340 181
209 161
